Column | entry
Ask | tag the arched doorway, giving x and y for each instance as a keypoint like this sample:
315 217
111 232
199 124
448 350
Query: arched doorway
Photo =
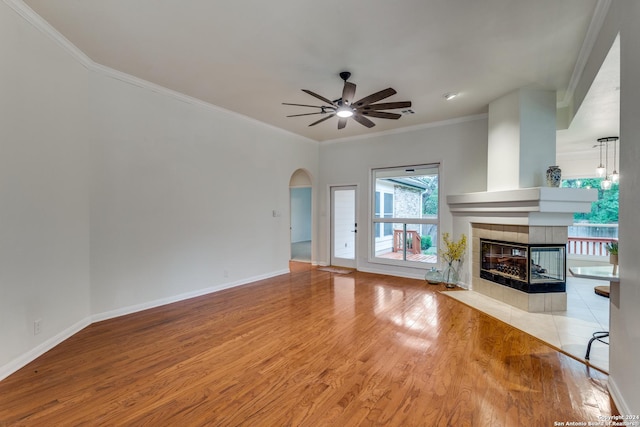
300 193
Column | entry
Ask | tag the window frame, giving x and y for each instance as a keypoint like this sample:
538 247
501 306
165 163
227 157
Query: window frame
376 221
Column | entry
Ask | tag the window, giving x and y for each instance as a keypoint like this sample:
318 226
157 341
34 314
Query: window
383 209
592 231
405 214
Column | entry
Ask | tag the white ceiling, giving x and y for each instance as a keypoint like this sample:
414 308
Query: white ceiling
249 56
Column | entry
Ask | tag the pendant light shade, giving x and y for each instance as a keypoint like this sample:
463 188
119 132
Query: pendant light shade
602 170
615 176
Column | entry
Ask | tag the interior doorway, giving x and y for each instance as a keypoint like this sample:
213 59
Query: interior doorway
300 194
344 227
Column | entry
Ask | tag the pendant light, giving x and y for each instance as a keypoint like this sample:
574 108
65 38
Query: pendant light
615 176
606 182
600 170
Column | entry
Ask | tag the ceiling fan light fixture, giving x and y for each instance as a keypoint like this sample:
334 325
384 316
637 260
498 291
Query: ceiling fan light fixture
345 106
344 112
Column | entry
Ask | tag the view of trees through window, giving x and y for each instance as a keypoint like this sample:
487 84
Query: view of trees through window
602 221
605 209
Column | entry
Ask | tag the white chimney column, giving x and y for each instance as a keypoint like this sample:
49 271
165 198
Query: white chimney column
522 139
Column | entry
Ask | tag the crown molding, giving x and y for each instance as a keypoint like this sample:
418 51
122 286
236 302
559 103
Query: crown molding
179 96
599 15
407 129
44 27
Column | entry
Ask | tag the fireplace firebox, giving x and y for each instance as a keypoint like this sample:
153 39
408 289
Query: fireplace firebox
531 268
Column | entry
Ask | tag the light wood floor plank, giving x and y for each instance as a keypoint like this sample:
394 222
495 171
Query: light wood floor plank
310 348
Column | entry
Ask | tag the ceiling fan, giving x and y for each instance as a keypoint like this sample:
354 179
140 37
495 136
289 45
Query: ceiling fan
344 107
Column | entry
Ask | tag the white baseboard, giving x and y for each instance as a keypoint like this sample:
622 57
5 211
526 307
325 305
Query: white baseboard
47 345
181 297
418 275
34 353
619 401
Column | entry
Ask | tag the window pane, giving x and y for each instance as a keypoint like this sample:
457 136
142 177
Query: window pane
388 205
388 229
417 244
400 194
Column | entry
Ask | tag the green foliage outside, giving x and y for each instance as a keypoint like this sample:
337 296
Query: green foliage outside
430 196
425 242
605 209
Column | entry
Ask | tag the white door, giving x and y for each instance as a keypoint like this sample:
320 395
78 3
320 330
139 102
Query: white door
343 226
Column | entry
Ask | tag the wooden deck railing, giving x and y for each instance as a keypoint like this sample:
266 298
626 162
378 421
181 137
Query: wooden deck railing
413 241
596 246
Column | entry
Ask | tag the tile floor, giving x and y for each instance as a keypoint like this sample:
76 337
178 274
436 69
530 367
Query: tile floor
568 331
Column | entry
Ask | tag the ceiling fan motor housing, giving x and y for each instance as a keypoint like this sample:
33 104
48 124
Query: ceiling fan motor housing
345 75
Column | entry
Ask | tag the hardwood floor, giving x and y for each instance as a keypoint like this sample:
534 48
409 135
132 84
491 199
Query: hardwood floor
310 348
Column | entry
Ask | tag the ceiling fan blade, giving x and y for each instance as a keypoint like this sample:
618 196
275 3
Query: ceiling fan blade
363 121
305 105
387 106
322 120
342 122
348 93
307 114
374 97
382 114
320 97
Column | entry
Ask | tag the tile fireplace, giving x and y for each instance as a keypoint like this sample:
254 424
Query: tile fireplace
531 268
528 222
524 266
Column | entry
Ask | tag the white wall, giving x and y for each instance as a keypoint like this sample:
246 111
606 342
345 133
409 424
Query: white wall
522 139
625 310
183 197
460 146
116 195
44 194
623 18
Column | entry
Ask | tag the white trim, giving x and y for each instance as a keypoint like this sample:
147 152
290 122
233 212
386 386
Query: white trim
161 90
408 129
52 342
622 406
395 273
599 15
44 27
372 258
181 297
531 206
42 348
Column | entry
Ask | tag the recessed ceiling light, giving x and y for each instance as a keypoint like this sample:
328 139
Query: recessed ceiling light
449 95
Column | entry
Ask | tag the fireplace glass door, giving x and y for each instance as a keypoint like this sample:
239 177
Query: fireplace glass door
527 267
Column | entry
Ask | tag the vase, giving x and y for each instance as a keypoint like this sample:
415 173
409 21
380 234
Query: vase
433 276
450 275
554 176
